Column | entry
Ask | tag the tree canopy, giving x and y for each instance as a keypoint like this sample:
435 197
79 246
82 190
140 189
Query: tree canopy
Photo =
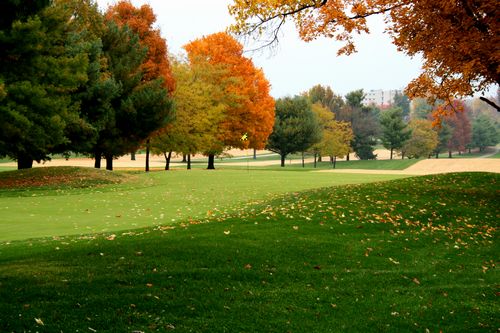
43 60
422 141
394 129
296 127
250 108
454 38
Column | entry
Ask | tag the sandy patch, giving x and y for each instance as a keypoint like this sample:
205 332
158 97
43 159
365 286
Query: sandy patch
435 166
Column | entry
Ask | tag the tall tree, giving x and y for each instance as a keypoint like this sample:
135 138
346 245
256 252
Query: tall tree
296 128
461 131
95 95
454 38
43 60
141 21
336 136
422 141
141 65
250 108
394 129
444 136
402 101
364 124
197 109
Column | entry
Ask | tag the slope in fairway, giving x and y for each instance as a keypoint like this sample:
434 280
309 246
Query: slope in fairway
410 255
157 198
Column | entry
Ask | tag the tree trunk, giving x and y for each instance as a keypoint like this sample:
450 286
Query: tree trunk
97 157
303 164
211 160
392 149
283 160
437 154
109 162
24 162
320 159
254 154
167 160
347 158
132 156
449 154
189 162
402 155
184 158
334 161
315 156
147 155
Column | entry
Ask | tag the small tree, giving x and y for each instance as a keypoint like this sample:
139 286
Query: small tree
444 135
296 128
484 133
423 140
394 129
337 140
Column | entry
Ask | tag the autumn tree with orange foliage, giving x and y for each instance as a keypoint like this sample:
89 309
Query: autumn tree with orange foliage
140 21
457 39
155 65
250 108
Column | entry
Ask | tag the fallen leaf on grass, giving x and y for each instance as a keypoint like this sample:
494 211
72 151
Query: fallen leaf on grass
39 321
111 237
416 281
394 261
295 227
227 232
248 266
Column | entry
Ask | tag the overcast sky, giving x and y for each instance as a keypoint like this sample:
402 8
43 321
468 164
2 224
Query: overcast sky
295 66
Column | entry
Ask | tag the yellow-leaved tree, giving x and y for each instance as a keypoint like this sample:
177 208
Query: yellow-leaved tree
250 108
336 135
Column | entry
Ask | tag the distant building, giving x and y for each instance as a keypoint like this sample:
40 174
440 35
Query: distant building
381 98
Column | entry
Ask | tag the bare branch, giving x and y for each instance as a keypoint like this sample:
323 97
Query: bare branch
491 103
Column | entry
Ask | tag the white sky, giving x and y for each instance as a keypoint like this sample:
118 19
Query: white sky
295 66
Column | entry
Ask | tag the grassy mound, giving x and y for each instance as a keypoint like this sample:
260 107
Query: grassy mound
415 254
56 177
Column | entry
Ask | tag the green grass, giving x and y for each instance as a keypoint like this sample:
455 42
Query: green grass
149 199
357 164
474 154
395 164
497 155
397 256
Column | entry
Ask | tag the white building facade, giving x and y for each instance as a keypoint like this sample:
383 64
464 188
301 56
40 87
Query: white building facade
380 98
